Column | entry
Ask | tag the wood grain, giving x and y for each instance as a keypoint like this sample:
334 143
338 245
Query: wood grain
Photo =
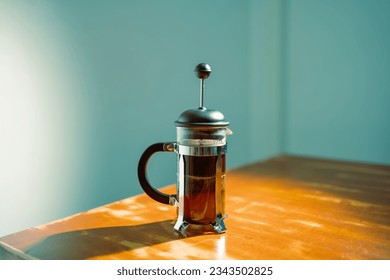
283 208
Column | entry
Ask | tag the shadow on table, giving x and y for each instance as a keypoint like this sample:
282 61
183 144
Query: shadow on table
88 243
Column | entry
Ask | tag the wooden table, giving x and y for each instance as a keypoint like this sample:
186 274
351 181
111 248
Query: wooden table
283 208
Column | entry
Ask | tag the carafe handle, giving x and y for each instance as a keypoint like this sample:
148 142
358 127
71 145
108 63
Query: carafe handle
142 174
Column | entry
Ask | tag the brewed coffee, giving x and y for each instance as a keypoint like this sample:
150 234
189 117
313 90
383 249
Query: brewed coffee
199 188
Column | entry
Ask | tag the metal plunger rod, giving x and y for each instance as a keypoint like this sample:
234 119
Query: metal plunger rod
201 93
202 71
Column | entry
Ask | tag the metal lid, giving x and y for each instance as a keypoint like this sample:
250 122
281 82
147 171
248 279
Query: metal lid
202 116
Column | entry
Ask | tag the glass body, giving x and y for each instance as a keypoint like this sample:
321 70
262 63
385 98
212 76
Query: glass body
201 168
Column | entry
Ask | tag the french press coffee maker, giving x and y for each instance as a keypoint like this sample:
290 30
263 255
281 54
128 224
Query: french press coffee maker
201 159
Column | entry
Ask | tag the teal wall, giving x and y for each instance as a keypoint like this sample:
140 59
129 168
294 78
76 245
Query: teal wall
337 85
86 86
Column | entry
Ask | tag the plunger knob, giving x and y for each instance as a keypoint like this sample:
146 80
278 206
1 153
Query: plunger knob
202 71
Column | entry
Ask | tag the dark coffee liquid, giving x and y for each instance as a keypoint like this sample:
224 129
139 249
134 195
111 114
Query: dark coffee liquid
200 187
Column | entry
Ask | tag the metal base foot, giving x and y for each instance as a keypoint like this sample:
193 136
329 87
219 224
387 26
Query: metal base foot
219 225
181 226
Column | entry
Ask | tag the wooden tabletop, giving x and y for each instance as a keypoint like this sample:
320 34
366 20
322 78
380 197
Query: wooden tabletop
283 208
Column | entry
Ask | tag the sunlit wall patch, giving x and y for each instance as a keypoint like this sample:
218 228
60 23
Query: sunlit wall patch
40 112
